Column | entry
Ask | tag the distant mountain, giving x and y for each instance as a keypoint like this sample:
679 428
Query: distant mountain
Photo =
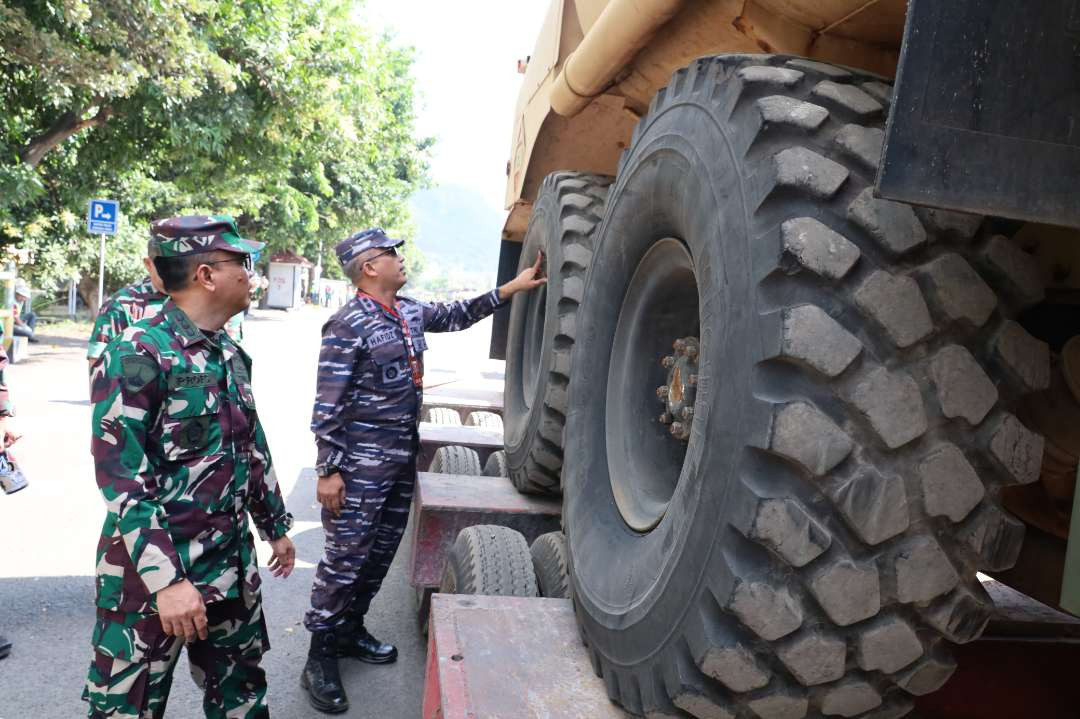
457 229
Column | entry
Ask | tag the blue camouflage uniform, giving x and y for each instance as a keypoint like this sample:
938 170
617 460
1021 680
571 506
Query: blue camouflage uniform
365 420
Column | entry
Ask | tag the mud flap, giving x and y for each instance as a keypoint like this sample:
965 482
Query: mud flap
986 113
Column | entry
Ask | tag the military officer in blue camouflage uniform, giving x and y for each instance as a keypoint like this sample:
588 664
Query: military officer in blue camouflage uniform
367 407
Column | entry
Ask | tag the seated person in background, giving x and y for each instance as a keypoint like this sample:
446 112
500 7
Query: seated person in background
25 319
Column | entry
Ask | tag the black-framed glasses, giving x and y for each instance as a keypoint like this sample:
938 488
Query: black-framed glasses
392 251
244 260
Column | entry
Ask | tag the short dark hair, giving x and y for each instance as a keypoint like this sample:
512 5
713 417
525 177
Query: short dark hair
176 272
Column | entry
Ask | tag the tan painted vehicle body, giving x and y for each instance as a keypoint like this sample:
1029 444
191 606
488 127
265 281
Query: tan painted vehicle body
597 65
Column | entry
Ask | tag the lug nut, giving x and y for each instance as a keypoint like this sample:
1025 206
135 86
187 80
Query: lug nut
665 418
662 391
687 413
680 345
676 429
668 362
692 380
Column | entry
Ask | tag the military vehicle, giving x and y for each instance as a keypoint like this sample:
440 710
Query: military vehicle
803 367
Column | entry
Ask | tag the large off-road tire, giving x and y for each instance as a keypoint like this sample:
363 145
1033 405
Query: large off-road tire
543 327
455 459
489 559
813 544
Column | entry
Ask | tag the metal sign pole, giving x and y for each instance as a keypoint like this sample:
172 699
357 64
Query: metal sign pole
101 274
102 218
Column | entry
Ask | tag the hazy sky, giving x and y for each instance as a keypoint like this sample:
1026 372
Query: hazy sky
466 73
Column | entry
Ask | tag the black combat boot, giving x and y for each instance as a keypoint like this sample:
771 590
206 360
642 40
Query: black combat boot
356 642
321 677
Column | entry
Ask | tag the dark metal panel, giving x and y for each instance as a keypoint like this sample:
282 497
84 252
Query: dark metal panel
986 113
509 255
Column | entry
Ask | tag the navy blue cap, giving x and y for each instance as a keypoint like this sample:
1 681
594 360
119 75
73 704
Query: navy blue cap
373 237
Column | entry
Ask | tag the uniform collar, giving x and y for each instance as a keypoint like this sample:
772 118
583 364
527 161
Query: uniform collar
371 304
182 325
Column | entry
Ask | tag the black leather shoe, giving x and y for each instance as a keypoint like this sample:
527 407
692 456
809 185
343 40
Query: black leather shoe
321 677
356 642
5 647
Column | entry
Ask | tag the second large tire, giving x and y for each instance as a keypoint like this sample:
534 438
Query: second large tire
543 327
813 544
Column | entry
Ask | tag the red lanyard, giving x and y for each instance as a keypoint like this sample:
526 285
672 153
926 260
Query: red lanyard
414 361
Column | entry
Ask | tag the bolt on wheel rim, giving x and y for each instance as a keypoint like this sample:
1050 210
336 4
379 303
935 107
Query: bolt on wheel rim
679 393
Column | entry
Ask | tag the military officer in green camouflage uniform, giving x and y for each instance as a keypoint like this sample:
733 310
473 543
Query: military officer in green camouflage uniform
181 462
128 305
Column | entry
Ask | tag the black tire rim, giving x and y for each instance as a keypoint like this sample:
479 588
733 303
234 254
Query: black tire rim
645 460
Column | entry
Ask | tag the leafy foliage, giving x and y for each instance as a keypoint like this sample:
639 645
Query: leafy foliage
288 114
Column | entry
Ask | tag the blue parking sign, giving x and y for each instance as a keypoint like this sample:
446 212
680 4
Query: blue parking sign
103 217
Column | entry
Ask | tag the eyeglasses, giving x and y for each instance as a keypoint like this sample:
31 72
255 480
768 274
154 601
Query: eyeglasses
391 251
244 260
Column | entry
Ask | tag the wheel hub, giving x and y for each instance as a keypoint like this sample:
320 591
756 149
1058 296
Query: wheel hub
679 393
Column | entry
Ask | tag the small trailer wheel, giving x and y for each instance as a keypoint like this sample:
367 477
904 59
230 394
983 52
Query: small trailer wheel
444 416
549 563
489 420
496 465
456 460
489 559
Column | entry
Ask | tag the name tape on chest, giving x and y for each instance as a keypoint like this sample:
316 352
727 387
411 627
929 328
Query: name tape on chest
191 380
381 338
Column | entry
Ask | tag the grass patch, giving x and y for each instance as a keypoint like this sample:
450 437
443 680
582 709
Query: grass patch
71 328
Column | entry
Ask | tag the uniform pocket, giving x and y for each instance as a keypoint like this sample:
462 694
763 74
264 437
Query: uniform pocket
391 361
129 637
191 426
128 649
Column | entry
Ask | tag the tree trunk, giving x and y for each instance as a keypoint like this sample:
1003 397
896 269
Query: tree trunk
65 126
88 291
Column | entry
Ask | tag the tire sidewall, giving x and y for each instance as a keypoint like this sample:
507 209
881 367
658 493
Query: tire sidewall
522 414
671 184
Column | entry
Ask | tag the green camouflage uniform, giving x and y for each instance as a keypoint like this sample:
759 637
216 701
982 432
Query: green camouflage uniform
134 303
124 308
181 461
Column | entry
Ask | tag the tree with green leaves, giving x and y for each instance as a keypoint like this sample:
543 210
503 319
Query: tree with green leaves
291 116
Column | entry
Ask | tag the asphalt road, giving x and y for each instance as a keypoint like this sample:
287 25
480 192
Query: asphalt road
48 531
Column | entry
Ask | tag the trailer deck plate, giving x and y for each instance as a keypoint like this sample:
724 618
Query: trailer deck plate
509 658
